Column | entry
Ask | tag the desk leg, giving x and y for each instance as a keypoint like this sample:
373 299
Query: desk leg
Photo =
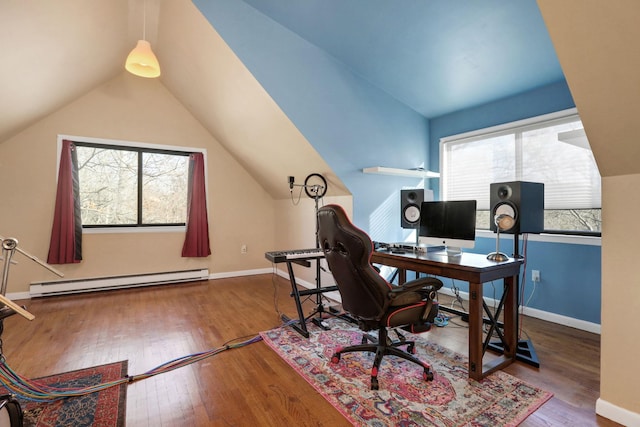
477 370
402 276
475 331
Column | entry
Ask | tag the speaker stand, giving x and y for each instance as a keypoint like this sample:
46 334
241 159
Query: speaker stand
524 350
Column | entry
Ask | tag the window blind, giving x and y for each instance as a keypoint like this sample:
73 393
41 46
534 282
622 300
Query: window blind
554 151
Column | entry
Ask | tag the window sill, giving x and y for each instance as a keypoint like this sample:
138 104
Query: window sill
548 238
135 230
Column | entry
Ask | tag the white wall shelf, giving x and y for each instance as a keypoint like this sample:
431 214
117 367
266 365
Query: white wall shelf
413 173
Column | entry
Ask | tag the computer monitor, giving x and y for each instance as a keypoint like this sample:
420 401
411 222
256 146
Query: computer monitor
451 224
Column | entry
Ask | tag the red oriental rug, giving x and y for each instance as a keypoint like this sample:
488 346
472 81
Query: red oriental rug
102 409
404 398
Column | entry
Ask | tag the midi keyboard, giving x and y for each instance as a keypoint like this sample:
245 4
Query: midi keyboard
294 254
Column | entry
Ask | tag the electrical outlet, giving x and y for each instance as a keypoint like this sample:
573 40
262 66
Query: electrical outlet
243 249
535 275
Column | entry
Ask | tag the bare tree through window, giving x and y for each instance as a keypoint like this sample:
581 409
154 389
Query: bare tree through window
121 186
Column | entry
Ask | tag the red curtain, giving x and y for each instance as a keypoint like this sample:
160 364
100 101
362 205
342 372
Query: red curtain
66 233
196 242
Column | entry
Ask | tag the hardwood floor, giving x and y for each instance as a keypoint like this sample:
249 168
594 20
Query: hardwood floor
250 385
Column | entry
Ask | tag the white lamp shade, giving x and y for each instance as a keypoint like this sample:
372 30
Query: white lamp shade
142 62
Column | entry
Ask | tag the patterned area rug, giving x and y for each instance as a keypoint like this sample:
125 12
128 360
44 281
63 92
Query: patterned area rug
404 398
103 409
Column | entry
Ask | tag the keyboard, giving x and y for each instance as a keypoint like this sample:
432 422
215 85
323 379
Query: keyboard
294 254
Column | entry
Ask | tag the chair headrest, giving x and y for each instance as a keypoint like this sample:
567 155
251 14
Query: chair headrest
338 233
348 252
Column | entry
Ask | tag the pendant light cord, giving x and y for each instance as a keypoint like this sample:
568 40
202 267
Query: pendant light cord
144 22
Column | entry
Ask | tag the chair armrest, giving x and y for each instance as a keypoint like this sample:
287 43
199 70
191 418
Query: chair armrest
414 291
424 283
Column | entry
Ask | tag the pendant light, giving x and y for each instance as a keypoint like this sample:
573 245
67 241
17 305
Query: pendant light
142 61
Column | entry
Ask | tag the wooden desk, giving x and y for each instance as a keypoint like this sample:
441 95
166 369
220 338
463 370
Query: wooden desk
475 269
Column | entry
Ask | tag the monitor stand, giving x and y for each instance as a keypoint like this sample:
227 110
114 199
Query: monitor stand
453 251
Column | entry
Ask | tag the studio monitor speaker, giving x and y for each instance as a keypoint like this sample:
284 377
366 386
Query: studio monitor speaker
523 201
410 202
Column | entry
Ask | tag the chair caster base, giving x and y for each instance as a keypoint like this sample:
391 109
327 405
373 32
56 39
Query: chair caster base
427 375
374 383
381 350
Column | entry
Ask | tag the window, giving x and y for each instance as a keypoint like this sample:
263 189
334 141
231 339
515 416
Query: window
128 186
552 149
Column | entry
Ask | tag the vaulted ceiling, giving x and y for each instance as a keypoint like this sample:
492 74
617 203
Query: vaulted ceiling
434 56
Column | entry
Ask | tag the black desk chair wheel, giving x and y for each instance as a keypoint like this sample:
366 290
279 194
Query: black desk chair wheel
369 298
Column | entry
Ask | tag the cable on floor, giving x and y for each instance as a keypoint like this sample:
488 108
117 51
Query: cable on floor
37 391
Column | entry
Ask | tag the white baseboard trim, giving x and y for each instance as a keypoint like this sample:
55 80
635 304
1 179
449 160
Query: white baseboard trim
92 284
213 276
539 314
532 312
563 320
18 295
617 414
227 274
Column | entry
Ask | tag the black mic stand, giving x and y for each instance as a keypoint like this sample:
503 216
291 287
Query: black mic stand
318 321
316 192
524 349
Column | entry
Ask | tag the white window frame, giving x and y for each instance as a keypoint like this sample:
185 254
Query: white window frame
136 144
506 128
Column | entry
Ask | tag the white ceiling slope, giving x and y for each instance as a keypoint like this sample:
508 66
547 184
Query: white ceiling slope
436 57
231 104
54 52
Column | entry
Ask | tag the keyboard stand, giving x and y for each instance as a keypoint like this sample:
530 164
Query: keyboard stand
300 324
304 257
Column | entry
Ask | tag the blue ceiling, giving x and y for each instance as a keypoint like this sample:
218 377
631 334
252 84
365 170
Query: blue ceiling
435 56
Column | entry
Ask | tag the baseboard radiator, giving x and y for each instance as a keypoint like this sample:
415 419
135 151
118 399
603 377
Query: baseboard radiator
61 287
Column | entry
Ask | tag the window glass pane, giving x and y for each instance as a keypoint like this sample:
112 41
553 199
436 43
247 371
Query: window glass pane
573 220
555 152
569 171
164 188
108 189
471 167
132 186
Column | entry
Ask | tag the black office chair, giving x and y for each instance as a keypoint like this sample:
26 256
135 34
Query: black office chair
369 298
